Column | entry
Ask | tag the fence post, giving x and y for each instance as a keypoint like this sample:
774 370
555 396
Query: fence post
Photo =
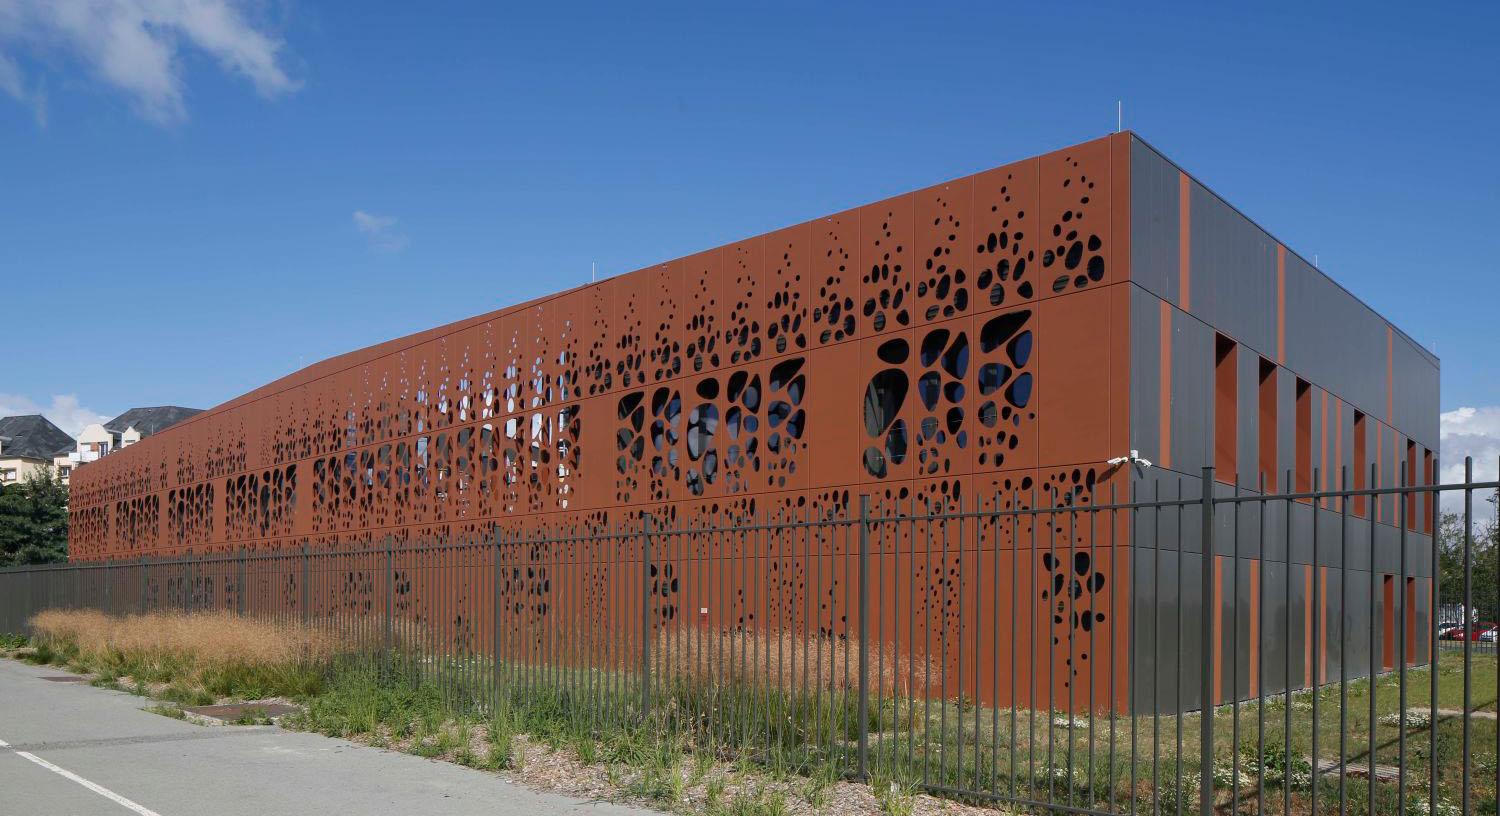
390 603
646 593
302 586
495 607
1206 715
864 636
239 586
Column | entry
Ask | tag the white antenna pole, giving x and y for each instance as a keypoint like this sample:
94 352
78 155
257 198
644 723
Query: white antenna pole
1119 115
593 272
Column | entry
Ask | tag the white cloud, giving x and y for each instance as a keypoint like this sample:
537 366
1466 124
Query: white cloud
65 411
381 231
136 45
1475 432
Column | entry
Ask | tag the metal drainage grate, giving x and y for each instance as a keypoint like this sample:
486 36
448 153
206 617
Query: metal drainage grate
65 678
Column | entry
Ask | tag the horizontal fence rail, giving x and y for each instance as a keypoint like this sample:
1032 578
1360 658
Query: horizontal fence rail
1195 646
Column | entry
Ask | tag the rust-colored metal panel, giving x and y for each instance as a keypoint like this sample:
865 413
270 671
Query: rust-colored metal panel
1076 241
1006 234
888 406
895 350
886 271
702 329
835 284
743 293
785 289
835 427
1075 409
944 251
1005 427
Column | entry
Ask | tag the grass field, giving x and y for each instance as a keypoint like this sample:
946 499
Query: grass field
436 705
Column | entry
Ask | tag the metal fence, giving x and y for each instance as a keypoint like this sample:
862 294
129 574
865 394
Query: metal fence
1050 652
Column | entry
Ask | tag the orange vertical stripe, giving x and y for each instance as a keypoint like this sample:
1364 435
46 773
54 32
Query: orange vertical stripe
1281 304
1378 501
1255 627
1338 436
1165 397
1184 242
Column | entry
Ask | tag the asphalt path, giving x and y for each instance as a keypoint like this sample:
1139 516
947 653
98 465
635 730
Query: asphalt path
68 749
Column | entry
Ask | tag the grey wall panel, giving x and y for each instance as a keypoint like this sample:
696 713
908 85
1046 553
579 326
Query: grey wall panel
1276 639
1168 664
1153 221
1192 393
1233 272
1333 339
1168 527
1299 646
1424 620
1237 648
1145 373
1415 397
1327 642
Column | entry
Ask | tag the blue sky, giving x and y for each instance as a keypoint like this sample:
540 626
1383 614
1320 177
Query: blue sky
204 195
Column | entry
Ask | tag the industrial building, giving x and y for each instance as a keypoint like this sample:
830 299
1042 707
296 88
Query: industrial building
987 342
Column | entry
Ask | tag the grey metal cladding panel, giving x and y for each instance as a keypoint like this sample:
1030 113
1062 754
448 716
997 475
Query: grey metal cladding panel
1275 635
1192 393
1298 646
1286 427
1166 632
1332 339
1233 268
1167 527
1145 373
1415 399
1153 221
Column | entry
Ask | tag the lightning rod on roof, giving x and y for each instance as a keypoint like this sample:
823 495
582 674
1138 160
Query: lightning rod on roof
1119 115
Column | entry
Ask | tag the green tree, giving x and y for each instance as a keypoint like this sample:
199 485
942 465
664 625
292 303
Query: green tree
34 520
1484 551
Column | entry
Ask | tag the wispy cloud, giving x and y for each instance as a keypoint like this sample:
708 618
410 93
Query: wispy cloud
136 45
381 231
65 411
1475 432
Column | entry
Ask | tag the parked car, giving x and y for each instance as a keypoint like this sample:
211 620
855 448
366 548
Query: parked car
1474 632
1449 631
1490 635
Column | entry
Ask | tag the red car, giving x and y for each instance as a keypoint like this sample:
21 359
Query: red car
1476 632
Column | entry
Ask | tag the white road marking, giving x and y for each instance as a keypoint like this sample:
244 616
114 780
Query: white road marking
99 789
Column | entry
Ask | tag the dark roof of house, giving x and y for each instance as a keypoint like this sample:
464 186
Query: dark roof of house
33 436
150 420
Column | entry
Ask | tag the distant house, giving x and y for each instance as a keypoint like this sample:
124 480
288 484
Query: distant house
128 428
31 442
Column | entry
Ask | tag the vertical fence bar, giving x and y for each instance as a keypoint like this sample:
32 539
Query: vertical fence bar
1401 652
1206 640
864 636
1432 643
1470 626
646 530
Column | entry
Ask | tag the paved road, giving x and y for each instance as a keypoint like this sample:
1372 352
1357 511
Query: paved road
70 749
